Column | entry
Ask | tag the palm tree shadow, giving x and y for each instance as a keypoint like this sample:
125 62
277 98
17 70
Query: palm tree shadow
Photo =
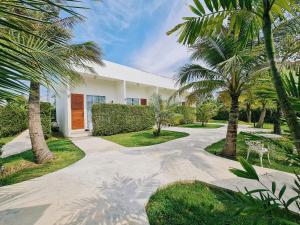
121 201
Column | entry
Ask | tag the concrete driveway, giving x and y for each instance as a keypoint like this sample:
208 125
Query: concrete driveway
112 184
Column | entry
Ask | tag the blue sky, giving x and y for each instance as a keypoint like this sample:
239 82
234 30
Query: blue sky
133 32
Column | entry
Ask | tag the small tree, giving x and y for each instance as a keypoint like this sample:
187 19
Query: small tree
207 110
163 112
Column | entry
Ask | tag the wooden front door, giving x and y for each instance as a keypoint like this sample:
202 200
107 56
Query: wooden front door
77 108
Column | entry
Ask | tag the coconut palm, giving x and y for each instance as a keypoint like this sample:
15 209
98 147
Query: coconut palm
53 64
13 68
253 17
228 68
264 93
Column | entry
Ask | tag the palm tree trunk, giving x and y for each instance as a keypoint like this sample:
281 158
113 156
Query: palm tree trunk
276 122
39 145
260 123
229 149
288 111
248 112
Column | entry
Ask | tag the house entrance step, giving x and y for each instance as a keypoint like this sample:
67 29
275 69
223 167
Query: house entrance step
80 133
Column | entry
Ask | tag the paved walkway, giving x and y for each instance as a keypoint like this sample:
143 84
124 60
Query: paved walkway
19 144
112 184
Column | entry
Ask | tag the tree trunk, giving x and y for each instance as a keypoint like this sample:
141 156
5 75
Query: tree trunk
260 123
277 122
39 145
249 112
229 149
285 105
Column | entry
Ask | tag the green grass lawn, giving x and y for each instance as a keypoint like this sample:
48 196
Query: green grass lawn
144 138
197 203
284 126
277 156
198 125
21 167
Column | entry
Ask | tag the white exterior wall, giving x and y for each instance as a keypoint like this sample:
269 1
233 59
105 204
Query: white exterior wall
116 83
63 112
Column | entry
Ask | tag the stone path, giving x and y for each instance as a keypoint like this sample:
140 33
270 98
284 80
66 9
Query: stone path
112 184
20 144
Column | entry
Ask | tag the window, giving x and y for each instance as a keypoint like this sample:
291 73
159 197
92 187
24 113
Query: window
132 101
92 99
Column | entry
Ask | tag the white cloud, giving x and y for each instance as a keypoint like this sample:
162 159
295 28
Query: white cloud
162 54
109 17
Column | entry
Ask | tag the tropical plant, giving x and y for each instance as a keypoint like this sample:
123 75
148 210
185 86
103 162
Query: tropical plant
207 110
265 201
162 111
253 18
53 65
229 68
291 81
265 95
14 69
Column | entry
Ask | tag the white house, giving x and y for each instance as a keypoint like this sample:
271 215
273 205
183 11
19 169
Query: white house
112 83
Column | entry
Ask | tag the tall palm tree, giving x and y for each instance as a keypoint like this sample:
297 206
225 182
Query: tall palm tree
228 67
53 64
254 17
73 55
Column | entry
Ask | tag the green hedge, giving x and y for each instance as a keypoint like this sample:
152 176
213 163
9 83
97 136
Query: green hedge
188 113
109 119
13 119
46 118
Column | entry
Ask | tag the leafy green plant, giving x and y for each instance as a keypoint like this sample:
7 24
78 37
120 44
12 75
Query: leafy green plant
176 119
13 119
292 86
162 112
207 110
188 113
265 201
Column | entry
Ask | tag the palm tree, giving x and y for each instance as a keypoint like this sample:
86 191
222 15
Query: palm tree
13 67
162 112
228 68
78 55
52 64
265 95
253 17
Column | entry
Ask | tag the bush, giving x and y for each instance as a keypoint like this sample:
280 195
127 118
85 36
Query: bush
109 119
206 110
176 119
13 119
188 113
46 118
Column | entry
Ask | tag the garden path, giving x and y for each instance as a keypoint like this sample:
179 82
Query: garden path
19 144
112 184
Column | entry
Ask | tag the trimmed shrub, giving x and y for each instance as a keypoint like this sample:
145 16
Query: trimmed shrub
13 119
176 119
109 119
188 113
46 118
